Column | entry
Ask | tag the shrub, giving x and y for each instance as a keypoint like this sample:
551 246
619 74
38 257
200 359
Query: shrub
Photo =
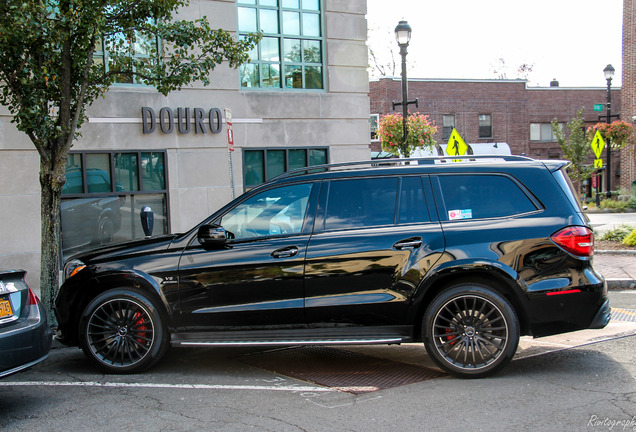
630 240
618 233
614 205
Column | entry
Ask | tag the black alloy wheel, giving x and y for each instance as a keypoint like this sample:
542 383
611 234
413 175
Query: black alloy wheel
470 331
122 331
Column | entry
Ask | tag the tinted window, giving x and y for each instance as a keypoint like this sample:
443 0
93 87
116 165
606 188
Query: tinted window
482 196
361 203
412 201
272 212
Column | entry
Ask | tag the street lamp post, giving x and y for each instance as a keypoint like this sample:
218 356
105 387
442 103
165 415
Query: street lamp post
609 74
403 37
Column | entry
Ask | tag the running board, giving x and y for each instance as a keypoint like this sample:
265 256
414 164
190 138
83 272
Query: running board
291 342
295 336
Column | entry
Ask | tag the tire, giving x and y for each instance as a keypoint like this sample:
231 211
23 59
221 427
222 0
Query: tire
123 331
470 331
106 231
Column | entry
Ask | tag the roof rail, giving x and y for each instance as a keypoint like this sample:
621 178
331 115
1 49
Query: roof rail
395 161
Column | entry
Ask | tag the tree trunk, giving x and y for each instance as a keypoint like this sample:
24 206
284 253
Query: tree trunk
52 178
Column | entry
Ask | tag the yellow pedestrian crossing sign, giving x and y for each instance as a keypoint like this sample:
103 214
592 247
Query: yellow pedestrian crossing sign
598 144
456 145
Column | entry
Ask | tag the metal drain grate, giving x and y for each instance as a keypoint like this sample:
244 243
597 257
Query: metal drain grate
623 315
339 369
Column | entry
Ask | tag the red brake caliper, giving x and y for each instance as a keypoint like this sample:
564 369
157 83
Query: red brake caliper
139 321
450 338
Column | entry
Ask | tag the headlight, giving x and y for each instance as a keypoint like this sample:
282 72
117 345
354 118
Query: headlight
73 267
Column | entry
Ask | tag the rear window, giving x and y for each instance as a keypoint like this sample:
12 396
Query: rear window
566 185
482 196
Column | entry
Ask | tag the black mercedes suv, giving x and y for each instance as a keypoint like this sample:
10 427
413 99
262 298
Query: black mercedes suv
464 256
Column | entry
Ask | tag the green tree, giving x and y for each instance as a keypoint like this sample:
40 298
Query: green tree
576 148
50 72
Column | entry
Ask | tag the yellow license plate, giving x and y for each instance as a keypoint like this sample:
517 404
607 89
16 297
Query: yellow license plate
5 308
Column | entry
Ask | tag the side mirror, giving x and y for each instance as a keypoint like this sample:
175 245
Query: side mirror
211 235
147 220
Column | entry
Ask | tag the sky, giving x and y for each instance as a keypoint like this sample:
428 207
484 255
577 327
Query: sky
570 40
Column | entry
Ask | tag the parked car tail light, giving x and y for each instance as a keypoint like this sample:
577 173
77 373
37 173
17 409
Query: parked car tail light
33 299
577 240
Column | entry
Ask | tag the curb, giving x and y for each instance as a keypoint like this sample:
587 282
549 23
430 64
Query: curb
616 284
615 252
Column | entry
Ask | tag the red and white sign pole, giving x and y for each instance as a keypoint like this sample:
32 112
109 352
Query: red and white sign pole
230 146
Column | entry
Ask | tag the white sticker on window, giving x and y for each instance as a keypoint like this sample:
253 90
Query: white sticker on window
460 214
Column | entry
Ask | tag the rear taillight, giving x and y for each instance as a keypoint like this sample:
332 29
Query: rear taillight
33 299
577 240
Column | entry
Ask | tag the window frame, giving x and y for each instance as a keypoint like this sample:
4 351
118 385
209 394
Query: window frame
266 177
103 54
374 124
113 188
552 137
448 130
488 126
281 36
444 207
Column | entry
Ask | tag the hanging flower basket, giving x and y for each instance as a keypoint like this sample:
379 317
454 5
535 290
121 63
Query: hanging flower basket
618 132
420 133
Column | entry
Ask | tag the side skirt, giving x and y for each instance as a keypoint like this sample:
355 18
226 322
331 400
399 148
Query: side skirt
321 336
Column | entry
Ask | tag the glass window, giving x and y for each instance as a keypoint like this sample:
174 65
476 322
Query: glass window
293 26
361 203
413 206
153 171
317 157
543 132
483 196
74 180
120 51
126 172
448 121
275 163
373 126
272 212
98 173
254 163
485 126
297 159
95 212
262 165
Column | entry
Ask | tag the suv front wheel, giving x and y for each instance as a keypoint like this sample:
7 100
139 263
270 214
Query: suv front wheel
122 331
470 331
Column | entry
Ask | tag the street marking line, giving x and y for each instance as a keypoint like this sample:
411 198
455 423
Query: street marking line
625 311
166 386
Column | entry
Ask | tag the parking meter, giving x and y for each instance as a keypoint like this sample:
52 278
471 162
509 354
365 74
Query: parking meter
147 220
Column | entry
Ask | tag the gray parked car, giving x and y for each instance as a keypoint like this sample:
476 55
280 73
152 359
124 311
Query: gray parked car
25 335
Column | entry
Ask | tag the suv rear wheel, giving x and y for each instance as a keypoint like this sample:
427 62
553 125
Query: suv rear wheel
122 331
470 331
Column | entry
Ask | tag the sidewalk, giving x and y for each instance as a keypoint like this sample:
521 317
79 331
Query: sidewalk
618 268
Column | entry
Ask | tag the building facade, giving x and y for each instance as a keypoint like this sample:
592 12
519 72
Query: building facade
498 111
302 100
628 93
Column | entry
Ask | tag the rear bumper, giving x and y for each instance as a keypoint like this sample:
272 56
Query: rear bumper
602 317
25 344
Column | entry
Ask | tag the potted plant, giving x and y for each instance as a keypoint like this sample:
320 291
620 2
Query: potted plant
420 133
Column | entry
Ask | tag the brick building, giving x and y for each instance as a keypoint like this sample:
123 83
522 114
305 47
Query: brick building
497 111
628 91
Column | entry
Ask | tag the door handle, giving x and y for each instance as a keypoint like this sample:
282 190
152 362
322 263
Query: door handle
285 252
410 243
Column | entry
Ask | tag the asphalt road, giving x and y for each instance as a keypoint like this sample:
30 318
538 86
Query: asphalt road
550 386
